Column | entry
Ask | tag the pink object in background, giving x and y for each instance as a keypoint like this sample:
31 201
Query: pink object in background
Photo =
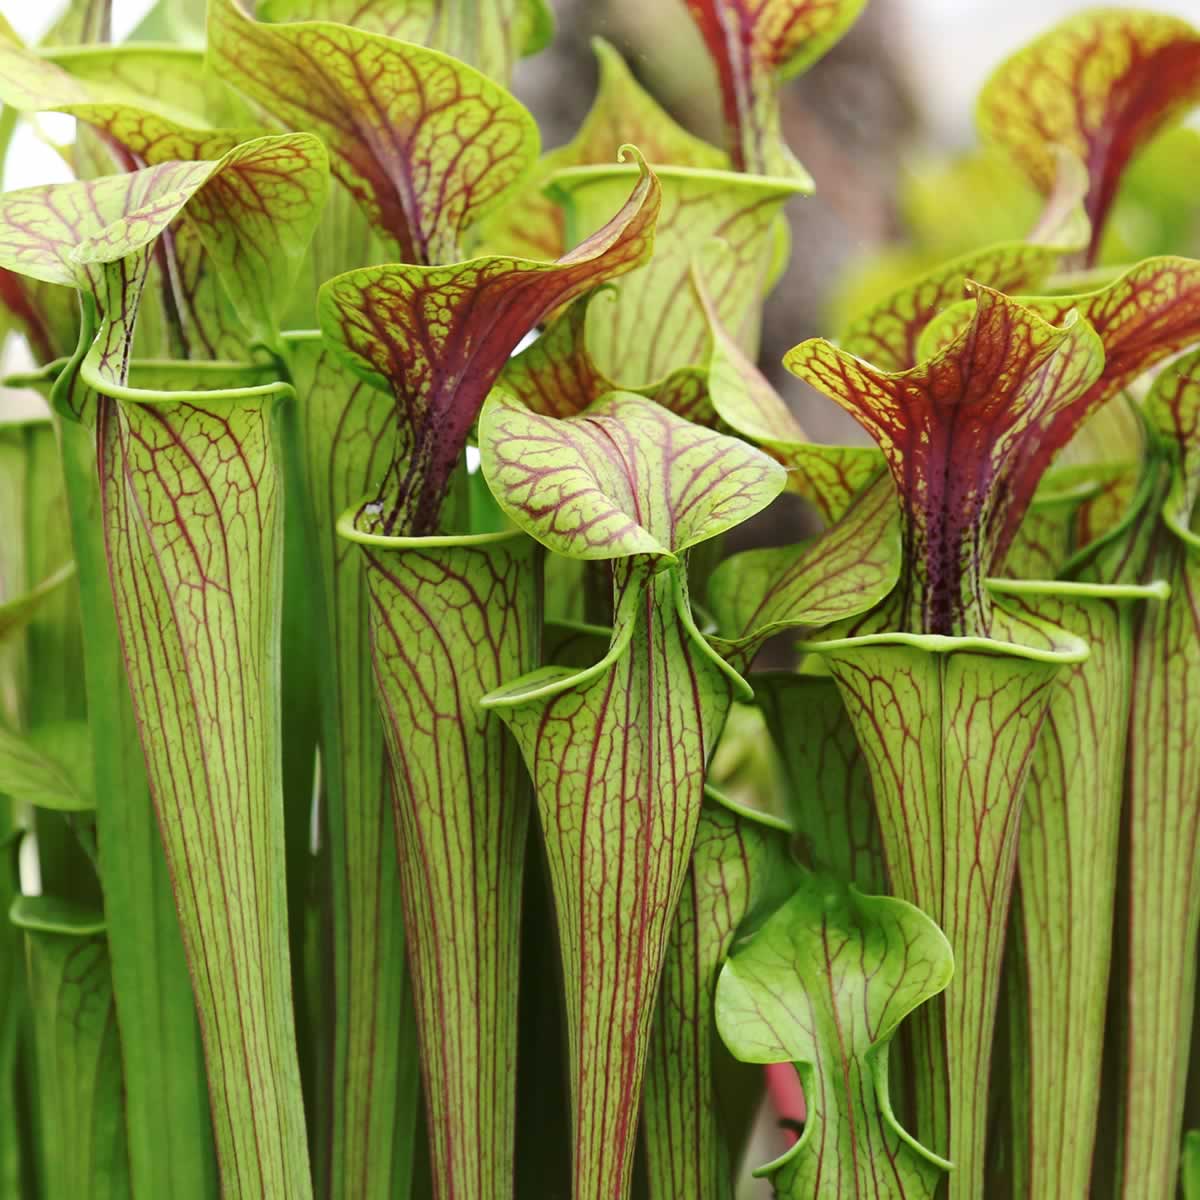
786 1096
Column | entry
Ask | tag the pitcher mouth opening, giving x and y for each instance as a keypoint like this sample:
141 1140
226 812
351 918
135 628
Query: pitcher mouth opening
349 529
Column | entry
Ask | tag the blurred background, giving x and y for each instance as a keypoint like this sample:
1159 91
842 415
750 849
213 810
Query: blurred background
884 123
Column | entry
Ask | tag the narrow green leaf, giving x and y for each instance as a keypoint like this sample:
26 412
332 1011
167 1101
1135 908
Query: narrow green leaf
438 337
16 613
1101 84
654 323
1190 1166
451 618
967 436
739 872
14 1018
824 984
47 767
373 1116
78 1051
426 149
754 48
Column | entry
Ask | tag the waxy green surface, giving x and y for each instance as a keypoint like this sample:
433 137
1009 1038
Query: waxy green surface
617 750
374 1069
437 338
740 871
824 984
189 505
16 1151
427 147
489 35
1157 996
77 1050
653 323
451 619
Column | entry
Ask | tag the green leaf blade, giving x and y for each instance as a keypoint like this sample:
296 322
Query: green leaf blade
78 1051
44 769
824 984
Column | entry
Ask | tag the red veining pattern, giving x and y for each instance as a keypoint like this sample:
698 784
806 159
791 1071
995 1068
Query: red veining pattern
447 626
751 42
439 337
618 767
738 867
625 477
1101 84
966 436
426 145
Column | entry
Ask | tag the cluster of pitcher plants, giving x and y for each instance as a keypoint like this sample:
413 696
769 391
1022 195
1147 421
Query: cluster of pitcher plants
368 640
